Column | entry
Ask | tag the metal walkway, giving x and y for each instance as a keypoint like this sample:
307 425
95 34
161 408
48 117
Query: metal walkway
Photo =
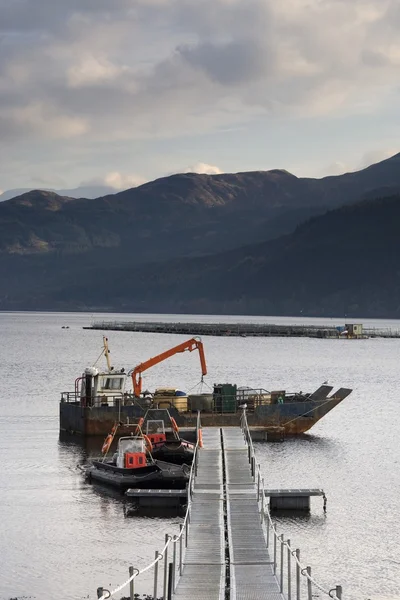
227 550
221 552
203 575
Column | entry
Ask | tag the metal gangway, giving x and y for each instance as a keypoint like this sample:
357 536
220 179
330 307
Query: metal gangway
228 546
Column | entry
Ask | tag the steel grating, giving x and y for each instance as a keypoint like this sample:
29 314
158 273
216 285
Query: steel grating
254 582
251 575
203 576
201 582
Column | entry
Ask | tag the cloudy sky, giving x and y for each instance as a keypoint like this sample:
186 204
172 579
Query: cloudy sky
123 91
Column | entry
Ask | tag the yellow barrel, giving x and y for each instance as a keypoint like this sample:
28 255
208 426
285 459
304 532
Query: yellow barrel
163 403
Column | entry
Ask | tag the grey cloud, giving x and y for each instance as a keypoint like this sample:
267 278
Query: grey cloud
374 58
44 15
229 64
183 66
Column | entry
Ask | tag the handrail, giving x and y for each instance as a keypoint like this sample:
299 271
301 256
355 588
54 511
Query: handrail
138 572
169 539
304 571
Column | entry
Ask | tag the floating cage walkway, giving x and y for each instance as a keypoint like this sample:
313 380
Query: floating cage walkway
240 329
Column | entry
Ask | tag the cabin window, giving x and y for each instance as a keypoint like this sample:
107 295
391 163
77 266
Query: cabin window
112 383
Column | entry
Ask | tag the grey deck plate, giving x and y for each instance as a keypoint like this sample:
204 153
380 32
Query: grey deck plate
254 582
295 492
250 562
201 582
203 576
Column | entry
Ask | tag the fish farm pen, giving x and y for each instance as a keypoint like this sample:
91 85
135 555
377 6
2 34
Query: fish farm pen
247 329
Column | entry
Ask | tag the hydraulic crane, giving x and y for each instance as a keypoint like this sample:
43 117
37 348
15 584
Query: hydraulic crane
189 345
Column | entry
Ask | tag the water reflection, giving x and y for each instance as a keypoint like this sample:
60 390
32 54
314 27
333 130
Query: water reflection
49 512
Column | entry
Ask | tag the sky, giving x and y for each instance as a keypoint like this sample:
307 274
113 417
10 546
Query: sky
124 91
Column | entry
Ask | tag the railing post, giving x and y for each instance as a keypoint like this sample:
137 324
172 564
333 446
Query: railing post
258 484
186 530
339 592
131 585
298 573
180 548
274 532
174 564
170 579
263 509
282 557
155 575
289 572
165 567
309 584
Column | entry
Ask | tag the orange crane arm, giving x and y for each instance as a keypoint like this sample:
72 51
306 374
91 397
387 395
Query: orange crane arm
190 345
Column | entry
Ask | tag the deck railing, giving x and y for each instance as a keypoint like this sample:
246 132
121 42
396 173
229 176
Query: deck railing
98 401
229 404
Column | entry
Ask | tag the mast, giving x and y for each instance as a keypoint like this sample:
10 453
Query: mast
107 352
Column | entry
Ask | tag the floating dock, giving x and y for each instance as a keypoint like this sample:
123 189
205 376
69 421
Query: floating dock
228 547
279 499
156 498
293 499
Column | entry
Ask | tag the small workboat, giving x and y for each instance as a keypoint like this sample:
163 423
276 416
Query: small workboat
163 432
133 465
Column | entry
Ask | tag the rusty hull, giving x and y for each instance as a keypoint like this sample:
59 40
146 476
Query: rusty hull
294 417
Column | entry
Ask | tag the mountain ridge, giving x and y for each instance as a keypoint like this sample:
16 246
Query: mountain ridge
198 208
248 244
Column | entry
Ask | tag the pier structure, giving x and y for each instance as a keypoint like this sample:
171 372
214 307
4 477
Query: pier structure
228 546
328 331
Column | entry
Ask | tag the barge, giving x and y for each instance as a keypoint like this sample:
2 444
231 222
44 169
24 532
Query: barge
102 398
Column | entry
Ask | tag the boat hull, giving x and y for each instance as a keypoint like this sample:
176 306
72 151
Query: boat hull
159 475
178 453
293 417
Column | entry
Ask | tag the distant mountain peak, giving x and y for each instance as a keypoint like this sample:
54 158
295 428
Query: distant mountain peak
84 191
40 199
282 172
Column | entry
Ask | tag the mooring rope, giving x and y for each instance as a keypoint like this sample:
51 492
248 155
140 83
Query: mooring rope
308 412
171 539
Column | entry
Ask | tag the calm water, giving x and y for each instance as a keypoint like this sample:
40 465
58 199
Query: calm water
62 538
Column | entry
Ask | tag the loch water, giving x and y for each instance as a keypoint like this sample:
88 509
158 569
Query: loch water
62 538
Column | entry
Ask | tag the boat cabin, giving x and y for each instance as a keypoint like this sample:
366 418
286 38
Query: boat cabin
131 453
99 387
155 431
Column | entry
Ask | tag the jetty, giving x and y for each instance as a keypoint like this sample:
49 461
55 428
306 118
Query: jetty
347 331
228 546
